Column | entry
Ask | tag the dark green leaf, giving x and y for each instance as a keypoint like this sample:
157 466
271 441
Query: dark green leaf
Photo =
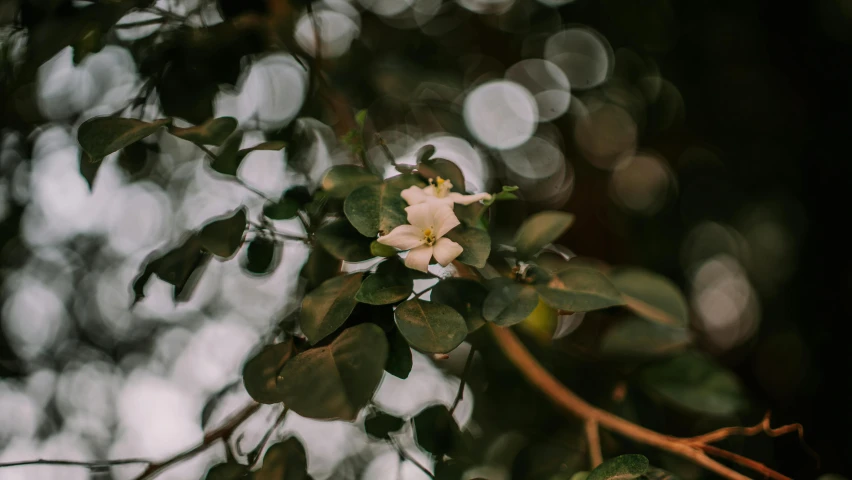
382 250
273 145
694 382
337 380
390 284
424 153
285 460
224 236
263 255
539 230
445 169
380 425
89 167
340 239
451 469
101 136
399 355
133 158
261 372
226 161
377 209
464 296
651 296
283 209
476 244
506 194
508 303
624 467
91 41
325 308
320 266
580 290
639 338
180 267
436 430
212 132
430 327
227 471
341 180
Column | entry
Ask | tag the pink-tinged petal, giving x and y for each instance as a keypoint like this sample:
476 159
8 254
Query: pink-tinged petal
446 250
418 258
414 195
403 237
468 199
445 220
421 215
429 190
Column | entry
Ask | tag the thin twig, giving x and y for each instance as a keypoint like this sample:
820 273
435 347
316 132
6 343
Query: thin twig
224 432
594 440
237 179
405 456
285 236
383 146
465 372
141 23
745 461
97 465
262 444
421 292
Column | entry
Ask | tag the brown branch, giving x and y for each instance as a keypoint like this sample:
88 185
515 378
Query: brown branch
224 432
465 372
98 465
564 398
594 440
744 461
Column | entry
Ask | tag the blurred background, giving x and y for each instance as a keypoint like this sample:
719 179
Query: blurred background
707 141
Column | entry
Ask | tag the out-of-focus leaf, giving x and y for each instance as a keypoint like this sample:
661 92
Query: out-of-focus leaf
320 266
382 250
339 181
337 380
179 267
539 230
464 296
639 338
325 308
212 132
263 255
436 431
508 302
133 158
377 209
380 425
343 241
475 242
260 373
430 327
580 290
445 169
399 361
223 236
693 382
89 167
624 467
654 473
651 296
285 460
424 153
101 136
226 161
227 471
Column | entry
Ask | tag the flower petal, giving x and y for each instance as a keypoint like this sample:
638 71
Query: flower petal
468 199
421 215
446 250
418 258
403 237
414 195
444 220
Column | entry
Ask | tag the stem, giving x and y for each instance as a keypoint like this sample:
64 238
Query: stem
262 444
383 145
594 440
465 372
404 456
746 462
141 23
418 294
236 178
285 236
97 465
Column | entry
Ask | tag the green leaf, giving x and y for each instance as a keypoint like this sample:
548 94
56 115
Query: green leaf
212 132
319 267
226 161
399 355
227 471
651 296
325 308
224 236
285 460
439 167
361 117
476 244
341 240
464 296
380 425
263 255
436 431
181 267
624 467
337 380
382 250
506 194
430 327
390 284
580 290
539 230
89 167
639 338
424 153
260 373
378 208
283 209
272 145
341 180
132 159
693 382
101 136
508 303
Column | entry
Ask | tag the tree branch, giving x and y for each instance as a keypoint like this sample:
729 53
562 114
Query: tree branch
564 398
465 372
594 440
744 461
224 432
97 465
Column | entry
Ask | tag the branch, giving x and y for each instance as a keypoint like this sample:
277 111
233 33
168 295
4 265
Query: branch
687 448
224 432
594 440
745 461
464 374
404 456
98 465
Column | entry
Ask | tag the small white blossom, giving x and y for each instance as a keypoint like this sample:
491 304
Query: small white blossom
439 191
424 238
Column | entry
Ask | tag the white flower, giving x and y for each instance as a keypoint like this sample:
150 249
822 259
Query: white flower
439 192
425 236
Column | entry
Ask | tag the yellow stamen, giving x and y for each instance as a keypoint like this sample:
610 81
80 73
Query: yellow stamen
429 236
